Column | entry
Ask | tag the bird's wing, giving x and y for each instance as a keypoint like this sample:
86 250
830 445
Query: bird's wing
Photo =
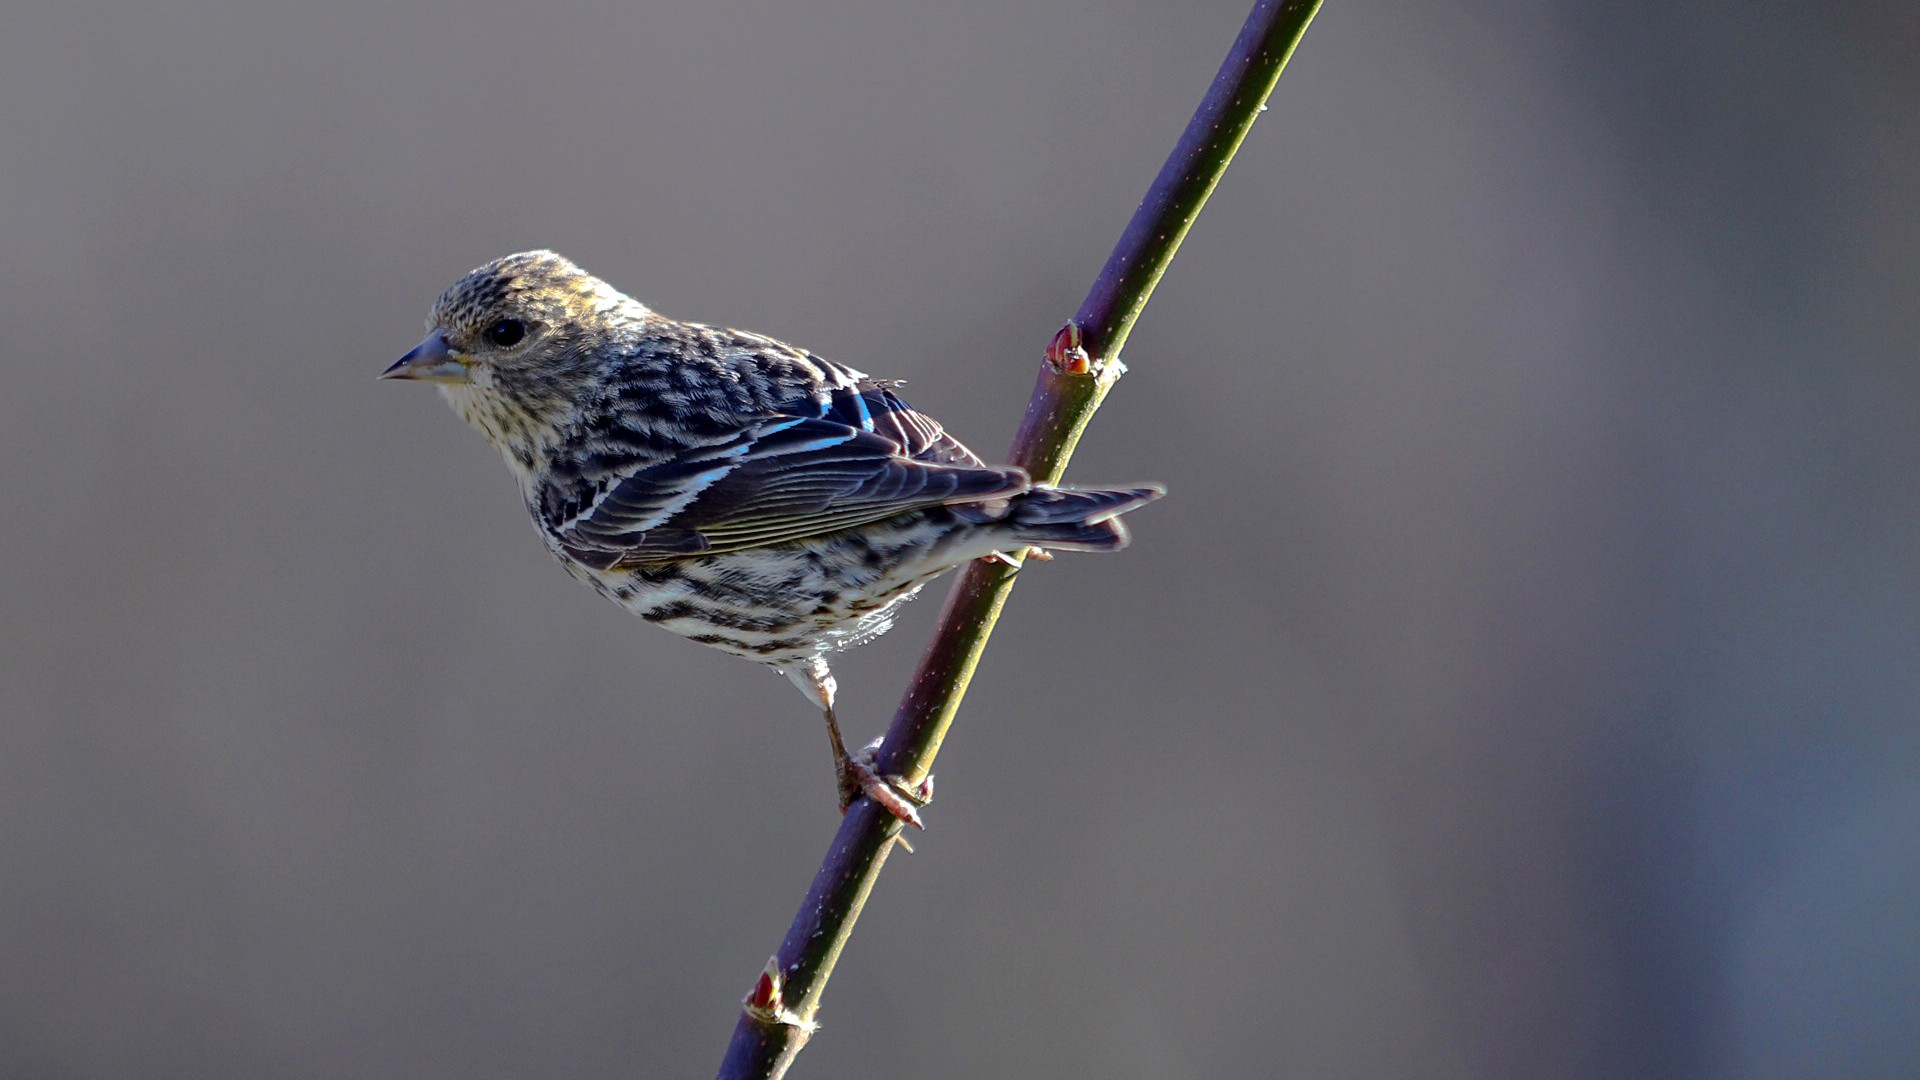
867 458
873 406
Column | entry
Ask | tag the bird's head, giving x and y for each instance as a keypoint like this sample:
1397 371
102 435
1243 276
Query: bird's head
518 344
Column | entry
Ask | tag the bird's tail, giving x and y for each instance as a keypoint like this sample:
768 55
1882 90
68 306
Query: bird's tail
1076 519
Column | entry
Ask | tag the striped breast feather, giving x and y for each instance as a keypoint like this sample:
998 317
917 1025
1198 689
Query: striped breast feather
785 479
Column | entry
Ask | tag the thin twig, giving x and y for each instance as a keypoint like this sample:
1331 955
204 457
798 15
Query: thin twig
1082 365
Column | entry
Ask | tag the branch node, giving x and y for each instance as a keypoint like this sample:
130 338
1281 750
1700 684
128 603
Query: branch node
765 1004
1067 354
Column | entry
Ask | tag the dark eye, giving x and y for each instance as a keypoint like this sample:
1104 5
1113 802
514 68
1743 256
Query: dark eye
506 333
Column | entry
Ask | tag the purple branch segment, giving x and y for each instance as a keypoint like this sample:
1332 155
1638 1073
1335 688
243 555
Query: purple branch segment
777 1017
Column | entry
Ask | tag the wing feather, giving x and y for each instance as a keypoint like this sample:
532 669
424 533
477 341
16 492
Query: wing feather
866 457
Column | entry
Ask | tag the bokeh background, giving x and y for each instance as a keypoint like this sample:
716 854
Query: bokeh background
1520 681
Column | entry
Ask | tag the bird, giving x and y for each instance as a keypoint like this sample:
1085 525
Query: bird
731 488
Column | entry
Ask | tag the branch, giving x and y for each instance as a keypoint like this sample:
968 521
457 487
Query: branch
1082 365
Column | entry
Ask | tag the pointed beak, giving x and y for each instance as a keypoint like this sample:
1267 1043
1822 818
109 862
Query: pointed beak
430 361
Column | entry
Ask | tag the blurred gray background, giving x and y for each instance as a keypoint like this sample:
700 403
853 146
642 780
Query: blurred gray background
1519 682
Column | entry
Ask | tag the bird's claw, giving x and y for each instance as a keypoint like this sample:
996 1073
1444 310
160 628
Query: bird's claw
893 793
1033 554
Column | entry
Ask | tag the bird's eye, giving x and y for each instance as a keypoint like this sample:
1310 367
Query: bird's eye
506 333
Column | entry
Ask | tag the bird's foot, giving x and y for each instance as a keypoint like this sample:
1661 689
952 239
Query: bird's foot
1033 554
893 793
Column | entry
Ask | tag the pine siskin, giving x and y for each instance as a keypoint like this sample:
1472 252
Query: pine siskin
728 487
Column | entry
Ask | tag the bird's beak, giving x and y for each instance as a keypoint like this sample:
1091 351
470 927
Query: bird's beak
431 361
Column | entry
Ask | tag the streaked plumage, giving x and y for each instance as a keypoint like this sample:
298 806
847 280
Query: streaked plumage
725 486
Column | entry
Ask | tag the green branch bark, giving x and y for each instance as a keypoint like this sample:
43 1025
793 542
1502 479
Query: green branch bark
1082 365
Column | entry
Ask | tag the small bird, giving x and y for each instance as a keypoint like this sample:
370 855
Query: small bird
734 489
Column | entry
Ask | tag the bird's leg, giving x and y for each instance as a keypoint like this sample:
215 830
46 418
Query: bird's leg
854 772
842 761
856 776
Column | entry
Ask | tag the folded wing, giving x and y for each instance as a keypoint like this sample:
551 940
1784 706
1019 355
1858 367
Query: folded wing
866 457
